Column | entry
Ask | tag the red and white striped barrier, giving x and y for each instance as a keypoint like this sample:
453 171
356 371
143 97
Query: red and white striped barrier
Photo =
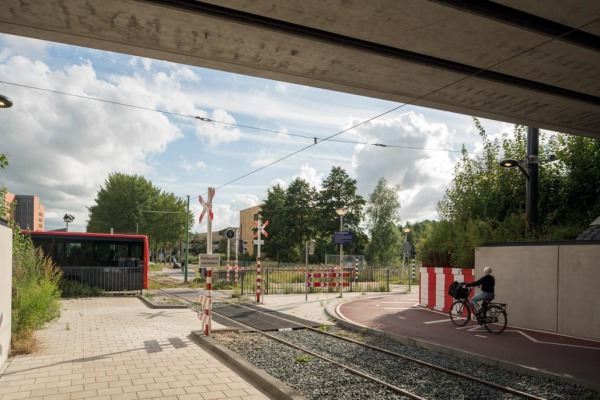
327 284
325 274
434 283
236 270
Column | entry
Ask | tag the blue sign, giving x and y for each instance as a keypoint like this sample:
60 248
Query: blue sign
343 237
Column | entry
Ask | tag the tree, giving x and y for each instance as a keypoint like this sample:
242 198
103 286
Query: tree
280 245
132 204
385 247
299 201
339 191
120 204
3 161
486 203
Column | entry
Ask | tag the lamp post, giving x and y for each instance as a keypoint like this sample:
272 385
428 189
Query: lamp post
310 249
5 102
532 162
341 212
405 249
68 218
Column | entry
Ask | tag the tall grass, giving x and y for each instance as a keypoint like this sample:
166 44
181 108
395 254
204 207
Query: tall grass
36 296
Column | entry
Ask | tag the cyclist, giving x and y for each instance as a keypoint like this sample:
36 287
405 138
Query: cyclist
487 283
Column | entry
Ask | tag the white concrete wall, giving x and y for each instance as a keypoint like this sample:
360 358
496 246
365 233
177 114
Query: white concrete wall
550 287
5 290
579 291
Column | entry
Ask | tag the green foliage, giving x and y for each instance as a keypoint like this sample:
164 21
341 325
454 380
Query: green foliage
385 247
3 161
338 191
132 204
301 213
486 203
35 304
36 296
73 289
303 359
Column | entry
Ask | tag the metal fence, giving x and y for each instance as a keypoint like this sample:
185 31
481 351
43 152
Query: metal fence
115 280
294 280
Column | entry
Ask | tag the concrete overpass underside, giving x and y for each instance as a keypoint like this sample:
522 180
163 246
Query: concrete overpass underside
534 63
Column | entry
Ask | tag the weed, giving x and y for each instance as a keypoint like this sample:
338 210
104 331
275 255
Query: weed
68 327
303 359
23 342
71 288
324 327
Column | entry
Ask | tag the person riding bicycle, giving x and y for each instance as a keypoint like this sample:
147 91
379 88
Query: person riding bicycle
487 283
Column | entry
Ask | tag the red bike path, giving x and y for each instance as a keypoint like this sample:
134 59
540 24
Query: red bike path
566 358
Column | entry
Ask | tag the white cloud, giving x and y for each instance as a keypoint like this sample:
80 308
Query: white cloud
218 133
62 148
311 175
422 174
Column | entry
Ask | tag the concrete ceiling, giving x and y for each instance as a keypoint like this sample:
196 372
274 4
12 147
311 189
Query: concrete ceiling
535 63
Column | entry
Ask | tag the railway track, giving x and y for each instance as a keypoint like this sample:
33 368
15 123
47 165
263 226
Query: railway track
376 367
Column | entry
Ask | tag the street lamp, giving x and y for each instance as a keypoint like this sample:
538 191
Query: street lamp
531 162
341 212
5 102
310 249
68 218
405 250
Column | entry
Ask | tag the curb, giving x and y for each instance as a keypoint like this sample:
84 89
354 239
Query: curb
331 312
149 304
252 373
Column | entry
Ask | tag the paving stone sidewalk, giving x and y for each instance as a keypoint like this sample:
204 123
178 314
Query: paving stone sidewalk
117 348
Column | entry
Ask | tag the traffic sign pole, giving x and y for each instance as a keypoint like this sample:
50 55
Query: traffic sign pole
260 230
207 208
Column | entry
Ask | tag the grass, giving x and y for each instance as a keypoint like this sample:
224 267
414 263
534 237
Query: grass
303 359
23 342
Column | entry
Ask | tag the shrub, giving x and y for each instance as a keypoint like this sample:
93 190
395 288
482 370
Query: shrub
36 296
70 288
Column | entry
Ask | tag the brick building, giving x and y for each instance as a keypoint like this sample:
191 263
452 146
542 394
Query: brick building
28 212
247 218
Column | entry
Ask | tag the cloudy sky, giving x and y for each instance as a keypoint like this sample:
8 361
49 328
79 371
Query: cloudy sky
66 133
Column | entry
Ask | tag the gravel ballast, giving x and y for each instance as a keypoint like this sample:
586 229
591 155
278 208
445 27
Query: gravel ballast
317 379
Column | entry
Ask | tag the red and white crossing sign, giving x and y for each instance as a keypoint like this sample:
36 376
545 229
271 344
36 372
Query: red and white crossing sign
261 228
207 205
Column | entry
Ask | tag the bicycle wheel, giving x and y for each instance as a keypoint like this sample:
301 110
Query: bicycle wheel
495 319
460 313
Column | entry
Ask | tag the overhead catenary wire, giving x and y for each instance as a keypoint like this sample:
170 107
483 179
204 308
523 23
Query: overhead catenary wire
313 138
469 76
316 141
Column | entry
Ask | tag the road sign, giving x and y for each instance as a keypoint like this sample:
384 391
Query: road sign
261 228
207 205
210 260
261 242
343 237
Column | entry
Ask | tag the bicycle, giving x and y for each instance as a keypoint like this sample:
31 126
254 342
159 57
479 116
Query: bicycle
493 315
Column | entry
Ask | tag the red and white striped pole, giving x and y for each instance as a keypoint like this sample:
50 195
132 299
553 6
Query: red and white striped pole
228 267
207 208
235 265
259 231
207 327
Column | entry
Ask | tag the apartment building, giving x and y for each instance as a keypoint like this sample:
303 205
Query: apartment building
247 218
28 211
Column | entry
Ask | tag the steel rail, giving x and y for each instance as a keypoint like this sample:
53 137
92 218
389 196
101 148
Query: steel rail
496 386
